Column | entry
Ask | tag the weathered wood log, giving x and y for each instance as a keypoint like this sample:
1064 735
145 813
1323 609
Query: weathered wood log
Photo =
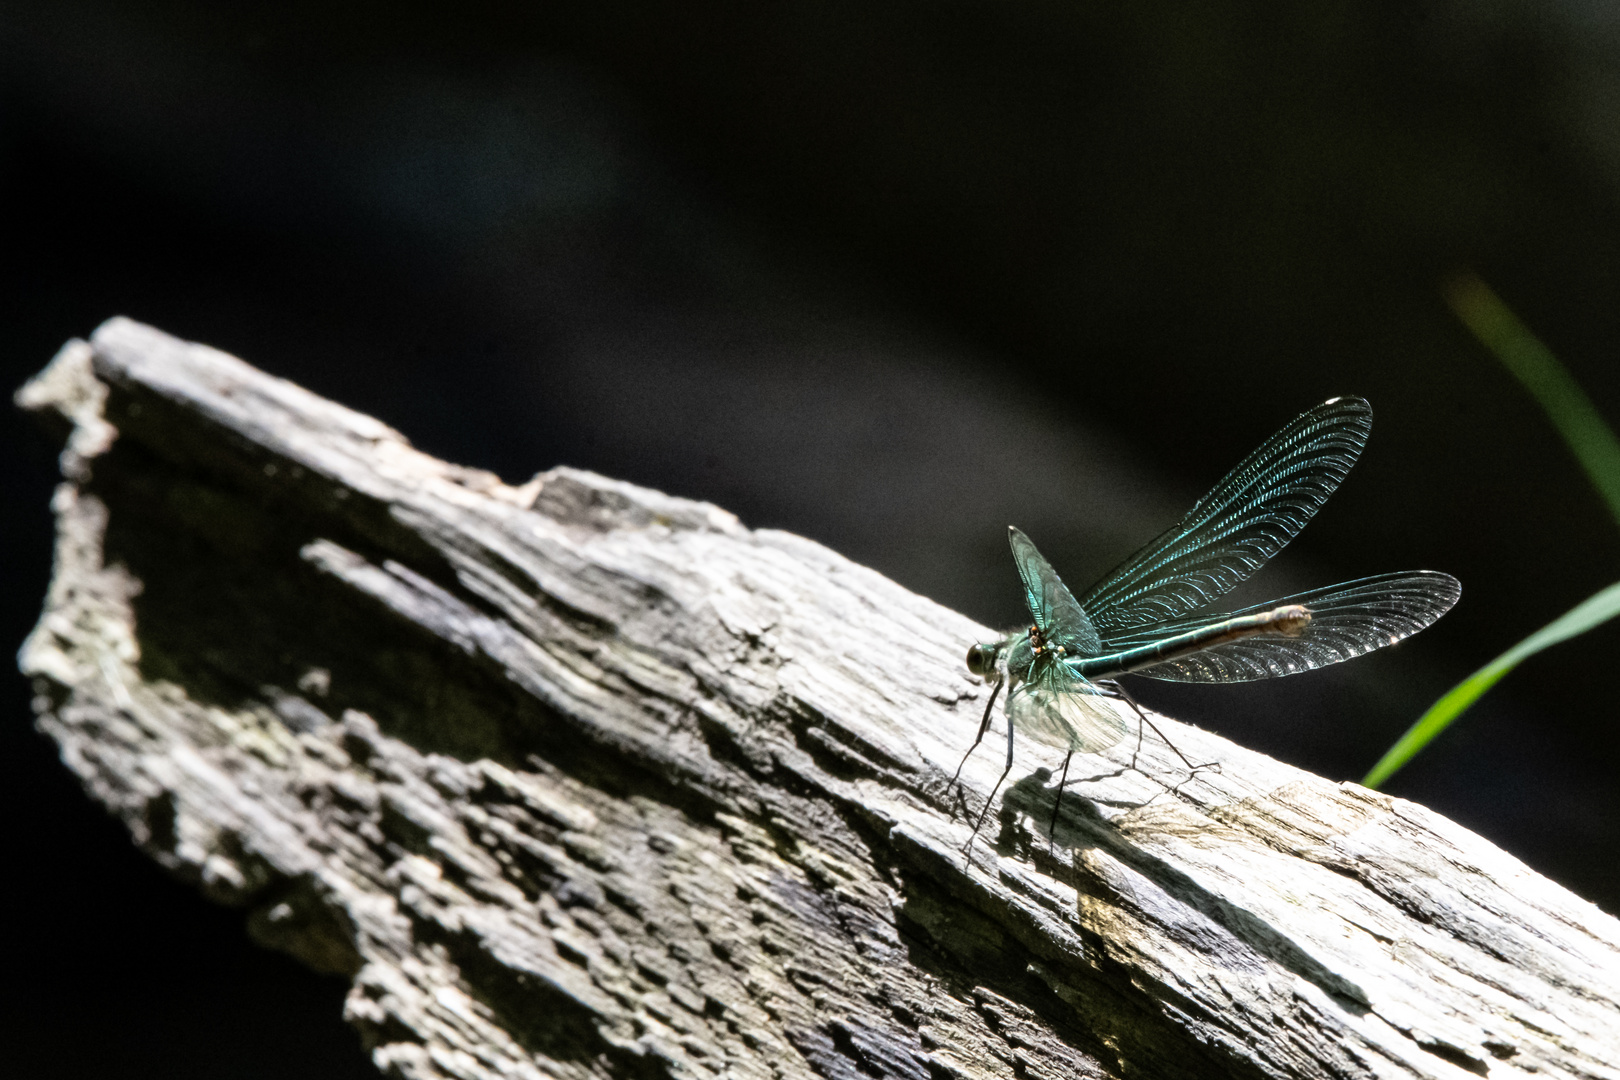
576 779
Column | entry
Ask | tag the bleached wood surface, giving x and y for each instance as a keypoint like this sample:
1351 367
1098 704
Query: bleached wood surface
581 780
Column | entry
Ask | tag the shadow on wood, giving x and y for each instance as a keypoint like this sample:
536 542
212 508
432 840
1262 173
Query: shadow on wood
576 779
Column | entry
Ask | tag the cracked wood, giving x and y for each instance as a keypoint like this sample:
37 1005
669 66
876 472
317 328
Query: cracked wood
576 779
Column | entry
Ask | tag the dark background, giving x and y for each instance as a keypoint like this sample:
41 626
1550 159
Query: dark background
890 276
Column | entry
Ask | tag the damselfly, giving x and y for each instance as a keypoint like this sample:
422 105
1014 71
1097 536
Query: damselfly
1137 619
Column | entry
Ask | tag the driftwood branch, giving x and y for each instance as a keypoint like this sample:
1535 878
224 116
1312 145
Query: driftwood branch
576 779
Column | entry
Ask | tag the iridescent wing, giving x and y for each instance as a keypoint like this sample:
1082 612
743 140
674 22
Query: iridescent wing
1232 531
1061 709
1062 621
1347 620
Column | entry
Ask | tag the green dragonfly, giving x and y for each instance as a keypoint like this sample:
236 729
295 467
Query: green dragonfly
1060 669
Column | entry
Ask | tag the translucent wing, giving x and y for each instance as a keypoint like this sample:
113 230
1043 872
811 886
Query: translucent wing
1061 709
1051 605
1347 620
1241 523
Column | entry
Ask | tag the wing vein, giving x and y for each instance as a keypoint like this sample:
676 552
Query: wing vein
1242 522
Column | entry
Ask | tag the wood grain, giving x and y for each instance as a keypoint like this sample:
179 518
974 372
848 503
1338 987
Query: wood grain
576 779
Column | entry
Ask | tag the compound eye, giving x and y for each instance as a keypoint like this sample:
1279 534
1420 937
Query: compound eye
978 660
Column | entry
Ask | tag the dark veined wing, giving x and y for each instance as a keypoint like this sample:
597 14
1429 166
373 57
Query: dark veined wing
1061 709
1245 520
1051 604
1347 620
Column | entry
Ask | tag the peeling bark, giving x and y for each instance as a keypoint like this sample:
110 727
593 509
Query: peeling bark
579 780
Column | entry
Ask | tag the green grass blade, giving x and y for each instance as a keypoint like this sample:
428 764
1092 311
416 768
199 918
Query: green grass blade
1554 389
1594 445
1578 620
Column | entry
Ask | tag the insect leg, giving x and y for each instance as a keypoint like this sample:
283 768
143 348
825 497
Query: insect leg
978 824
1051 832
1125 694
984 726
